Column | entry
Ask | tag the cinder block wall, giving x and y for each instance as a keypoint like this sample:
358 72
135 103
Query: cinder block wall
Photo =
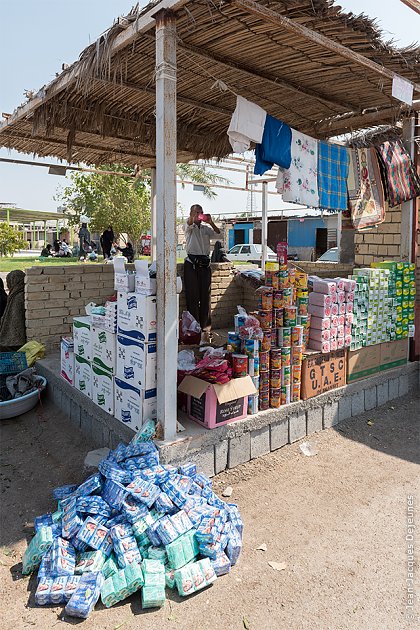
380 243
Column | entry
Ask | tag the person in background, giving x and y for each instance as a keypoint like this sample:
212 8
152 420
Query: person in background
3 298
12 324
84 239
107 238
46 251
197 273
56 245
219 254
128 252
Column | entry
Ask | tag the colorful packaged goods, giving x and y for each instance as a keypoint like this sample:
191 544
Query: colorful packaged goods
153 591
328 303
39 545
85 596
194 576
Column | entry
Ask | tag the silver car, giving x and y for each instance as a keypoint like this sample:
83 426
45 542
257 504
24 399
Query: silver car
249 253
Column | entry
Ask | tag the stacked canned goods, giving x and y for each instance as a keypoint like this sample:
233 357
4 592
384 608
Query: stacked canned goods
245 358
283 316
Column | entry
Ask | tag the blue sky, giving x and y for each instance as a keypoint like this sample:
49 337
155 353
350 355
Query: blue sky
52 32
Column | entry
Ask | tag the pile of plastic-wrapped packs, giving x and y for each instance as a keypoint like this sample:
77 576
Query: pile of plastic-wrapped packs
134 525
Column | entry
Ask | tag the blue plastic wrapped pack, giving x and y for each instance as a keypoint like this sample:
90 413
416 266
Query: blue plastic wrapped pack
140 449
181 522
144 491
93 505
114 493
235 517
176 495
56 590
62 558
85 596
134 511
145 433
125 545
234 546
113 471
164 505
166 530
119 519
64 491
46 520
155 474
201 480
188 470
39 545
92 485
94 534
70 521
221 564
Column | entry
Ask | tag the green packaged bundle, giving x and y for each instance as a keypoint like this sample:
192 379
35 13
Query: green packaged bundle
182 550
157 553
38 546
153 591
194 576
110 567
122 584
90 562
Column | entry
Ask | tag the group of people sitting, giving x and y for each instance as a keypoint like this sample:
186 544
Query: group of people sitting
60 249
12 312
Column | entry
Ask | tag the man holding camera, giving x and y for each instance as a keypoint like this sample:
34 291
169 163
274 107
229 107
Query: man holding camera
197 273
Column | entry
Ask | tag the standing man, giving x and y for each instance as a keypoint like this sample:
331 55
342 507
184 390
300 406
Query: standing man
106 241
197 273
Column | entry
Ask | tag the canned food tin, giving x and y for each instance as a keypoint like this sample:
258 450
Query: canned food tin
273 338
265 298
239 365
284 337
275 359
275 397
297 355
264 380
296 391
264 361
234 342
278 317
286 354
256 381
251 366
253 404
285 375
302 305
292 275
266 341
271 265
301 280
275 379
278 299
283 277
285 395
302 320
264 400
301 293
297 335
290 313
269 277
251 347
239 321
287 296
265 318
296 373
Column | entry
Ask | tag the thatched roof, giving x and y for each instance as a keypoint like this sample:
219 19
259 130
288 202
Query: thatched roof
101 109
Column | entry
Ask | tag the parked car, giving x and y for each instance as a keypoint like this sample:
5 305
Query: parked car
249 253
181 252
331 255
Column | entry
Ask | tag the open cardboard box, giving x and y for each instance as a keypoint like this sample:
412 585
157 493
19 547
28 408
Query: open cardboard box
213 405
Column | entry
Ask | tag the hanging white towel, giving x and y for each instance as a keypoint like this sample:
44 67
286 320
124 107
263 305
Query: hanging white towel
299 183
246 125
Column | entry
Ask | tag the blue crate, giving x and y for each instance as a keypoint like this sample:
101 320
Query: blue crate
12 363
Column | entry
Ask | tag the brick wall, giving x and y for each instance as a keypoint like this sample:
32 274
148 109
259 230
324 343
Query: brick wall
54 295
380 243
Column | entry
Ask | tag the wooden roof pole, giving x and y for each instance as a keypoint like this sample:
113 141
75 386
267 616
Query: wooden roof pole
268 15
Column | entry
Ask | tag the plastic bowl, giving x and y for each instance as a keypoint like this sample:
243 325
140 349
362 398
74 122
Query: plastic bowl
13 408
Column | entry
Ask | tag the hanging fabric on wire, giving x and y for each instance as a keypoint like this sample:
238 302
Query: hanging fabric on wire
246 125
275 147
299 183
402 182
332 176
366 194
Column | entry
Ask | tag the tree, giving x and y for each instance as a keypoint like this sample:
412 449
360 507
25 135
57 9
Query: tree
113 200
11 240
199 174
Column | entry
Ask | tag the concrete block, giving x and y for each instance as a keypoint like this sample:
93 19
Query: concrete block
370 398
239 450
393 387
66 404
86 424
403 385
221 456
344 408
75 415
98 433
358 403
330 415
297 427
413 380
314 420
279 434
382 393
260 442
204 460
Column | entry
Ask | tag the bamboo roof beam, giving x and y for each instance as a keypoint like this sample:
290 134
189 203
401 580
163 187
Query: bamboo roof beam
281 21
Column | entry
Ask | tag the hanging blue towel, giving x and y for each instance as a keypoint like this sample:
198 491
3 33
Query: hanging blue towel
275 147
332 176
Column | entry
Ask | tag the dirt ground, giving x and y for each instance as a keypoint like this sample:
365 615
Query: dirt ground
338 520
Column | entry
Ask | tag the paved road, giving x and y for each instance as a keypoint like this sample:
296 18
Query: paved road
338 520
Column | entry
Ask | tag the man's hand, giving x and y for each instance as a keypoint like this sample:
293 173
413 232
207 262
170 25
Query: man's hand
213 225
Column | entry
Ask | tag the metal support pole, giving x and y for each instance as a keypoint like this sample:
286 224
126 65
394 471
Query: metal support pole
8 216
153 212
45 233
56 229
407 208
166 151
264 230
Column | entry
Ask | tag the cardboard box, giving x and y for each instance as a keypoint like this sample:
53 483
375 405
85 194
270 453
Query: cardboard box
393 354
323 372
103 389
136 362
124 280
363 362
67 360
137 316
104 349
81 337
83 375
213 405
134 406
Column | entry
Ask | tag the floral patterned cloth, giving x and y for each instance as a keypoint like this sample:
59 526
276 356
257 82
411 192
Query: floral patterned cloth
364 184
299 183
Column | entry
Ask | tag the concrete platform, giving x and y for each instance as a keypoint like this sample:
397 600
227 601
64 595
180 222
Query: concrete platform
236 443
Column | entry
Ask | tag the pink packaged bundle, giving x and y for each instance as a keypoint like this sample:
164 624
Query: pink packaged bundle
340 331
340 283
347 340
340 343
334 309
341 320
334 298
319 311
333 344
333 332
319 335
321 346
320 323
320 299
342 308
349 318
349 285
341 296
334 321
349 307
350 296
347 330
324 286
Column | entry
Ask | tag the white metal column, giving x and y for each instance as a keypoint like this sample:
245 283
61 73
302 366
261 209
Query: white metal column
166 146
264 230
153 213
